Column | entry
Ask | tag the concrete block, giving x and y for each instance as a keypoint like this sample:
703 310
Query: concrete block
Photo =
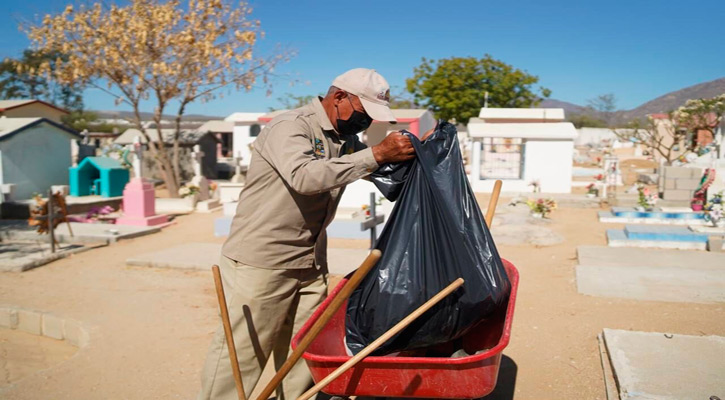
715 244
8 318
677 195
29 321
75 334
53 326
678 172
687 184
670 183
696 173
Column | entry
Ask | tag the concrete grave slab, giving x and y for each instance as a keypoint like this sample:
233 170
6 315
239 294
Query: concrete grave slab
649 365
619 238
174 206
631 257
664 233
658 275
201 256
687 285
110 233
22 256
610 217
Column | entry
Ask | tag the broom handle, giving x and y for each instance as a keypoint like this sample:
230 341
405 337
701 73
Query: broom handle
382 339
329 312
228 332
492 203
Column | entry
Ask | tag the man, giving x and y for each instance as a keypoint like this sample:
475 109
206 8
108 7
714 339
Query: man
273 264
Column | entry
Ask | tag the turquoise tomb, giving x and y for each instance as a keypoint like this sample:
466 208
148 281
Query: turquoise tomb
102 176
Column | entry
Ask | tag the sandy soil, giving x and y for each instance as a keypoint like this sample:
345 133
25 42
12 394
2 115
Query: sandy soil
23 354
151 327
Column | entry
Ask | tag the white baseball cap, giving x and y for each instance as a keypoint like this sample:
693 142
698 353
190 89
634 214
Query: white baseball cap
372 89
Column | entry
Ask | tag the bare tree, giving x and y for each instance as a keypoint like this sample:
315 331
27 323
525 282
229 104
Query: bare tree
603 106
160 51
661 136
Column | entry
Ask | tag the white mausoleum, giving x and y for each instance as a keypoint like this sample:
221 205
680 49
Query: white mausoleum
247 126
521 146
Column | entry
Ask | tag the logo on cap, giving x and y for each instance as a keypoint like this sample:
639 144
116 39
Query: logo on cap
384 95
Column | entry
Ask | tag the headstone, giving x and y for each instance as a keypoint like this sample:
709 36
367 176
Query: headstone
139 197
138 157
7 190
612 177
238 177
62 189
199 180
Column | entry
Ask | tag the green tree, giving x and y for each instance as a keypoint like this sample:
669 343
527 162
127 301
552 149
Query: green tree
586 120
18 80
456 87
80 120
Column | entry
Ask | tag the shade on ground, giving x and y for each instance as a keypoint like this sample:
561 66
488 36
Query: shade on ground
202 256
649 274
650 365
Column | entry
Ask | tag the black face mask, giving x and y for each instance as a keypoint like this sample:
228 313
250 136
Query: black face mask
358 121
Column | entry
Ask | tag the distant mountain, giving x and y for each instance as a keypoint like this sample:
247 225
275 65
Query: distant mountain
147 116
568 107
664 103
672 100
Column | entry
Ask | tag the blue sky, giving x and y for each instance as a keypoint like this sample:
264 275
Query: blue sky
637 50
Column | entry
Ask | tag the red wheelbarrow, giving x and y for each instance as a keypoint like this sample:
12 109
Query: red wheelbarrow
468 377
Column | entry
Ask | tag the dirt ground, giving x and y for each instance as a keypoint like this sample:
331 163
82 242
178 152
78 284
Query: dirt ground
150 328
22 354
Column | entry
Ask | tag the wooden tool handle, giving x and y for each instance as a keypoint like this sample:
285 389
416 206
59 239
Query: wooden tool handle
316 328
493 202
382 339
228 332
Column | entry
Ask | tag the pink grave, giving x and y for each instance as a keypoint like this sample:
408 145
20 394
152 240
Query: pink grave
139 200
139 205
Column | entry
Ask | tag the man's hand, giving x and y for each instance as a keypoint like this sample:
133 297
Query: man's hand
394 148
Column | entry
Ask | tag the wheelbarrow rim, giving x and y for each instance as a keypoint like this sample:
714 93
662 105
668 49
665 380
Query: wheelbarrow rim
513 275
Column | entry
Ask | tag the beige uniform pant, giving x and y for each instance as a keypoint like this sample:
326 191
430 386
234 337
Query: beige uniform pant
266 306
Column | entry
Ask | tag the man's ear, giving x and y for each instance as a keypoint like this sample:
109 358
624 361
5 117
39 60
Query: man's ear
339 96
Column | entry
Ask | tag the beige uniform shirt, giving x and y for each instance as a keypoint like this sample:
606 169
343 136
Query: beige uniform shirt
297 174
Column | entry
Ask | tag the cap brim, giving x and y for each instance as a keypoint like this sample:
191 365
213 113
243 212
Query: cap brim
377 111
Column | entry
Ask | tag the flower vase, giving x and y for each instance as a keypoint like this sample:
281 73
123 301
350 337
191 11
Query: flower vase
591 195
640 209
696 207
192 199
537 215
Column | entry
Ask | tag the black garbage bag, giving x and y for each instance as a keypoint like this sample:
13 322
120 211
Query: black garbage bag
435 234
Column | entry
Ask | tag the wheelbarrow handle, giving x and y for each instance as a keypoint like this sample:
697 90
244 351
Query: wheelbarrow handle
493 202
382 339
228 332
316 328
